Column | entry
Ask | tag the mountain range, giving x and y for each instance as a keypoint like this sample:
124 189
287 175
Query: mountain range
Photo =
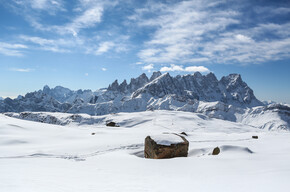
229 98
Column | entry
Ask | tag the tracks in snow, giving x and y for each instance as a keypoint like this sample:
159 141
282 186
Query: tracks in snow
81 157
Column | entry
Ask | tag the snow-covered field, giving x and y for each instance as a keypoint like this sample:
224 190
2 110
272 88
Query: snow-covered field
44 157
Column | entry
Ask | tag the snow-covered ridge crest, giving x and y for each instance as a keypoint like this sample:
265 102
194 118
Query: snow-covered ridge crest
229 98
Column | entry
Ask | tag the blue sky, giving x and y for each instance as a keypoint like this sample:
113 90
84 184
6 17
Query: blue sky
89 43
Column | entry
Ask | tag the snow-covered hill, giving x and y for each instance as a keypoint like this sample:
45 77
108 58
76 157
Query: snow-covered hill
229 98
272 117
85 155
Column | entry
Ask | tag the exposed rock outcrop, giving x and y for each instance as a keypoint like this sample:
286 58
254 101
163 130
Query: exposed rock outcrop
112 124
165 146
216 151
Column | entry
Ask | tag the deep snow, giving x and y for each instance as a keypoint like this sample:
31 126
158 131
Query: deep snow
44 157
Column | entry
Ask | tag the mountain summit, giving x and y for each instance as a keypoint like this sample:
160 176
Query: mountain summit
228 98
138 95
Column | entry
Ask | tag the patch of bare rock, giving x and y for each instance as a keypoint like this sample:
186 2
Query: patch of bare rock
165 146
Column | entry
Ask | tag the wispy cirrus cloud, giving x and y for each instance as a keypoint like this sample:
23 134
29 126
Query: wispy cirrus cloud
104 47
49 6
108 44
180 28
53 45
25 70
164 32
88 18
46 4
85 14
85 45
70 34
206 32
82 20
11 49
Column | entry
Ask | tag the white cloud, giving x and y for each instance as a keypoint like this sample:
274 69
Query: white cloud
228 50
104 47
186 69
172 68
67 32
45 4
86 74
104 69
87 19
243 38
81 44
148 67
50 6
197 60
12 49
272 11
53 45
200 31
186 32
147 53
56 49
179 29
21 70
38 40
196 68
115 44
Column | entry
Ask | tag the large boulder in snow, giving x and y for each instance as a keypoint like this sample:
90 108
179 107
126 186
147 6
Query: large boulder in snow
112 124
216 151
165 146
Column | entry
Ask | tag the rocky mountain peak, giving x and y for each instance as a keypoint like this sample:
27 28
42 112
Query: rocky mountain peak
114 86
139 94
197 75
155 74
123 86
232 79
138 82
46 89
211 77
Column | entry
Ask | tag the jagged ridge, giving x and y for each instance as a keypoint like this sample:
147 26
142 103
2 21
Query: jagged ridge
228 98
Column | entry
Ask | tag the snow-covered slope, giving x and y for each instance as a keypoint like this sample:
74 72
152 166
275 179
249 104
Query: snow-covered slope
43 157
272 117
229 98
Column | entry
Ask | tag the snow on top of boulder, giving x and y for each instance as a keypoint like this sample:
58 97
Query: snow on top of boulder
167 139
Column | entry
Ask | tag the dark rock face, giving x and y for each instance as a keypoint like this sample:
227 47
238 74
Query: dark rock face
230 89
216 151
155 75
255 137
93 100
183 133
138 82
135 96
157 151
114 86
112 124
